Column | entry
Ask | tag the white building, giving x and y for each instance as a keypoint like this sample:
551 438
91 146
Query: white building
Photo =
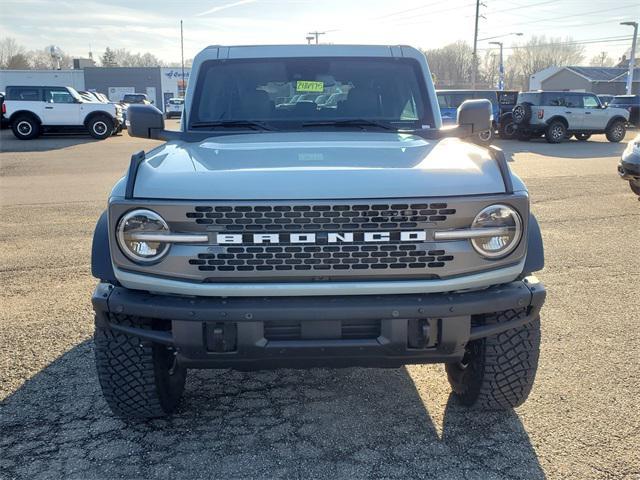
52 78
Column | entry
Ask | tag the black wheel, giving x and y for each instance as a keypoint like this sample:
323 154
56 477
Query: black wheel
139 380
583 137
616 131
25 127
635 186
521 113
523 137
497 372
100 127
508 129
556 132
484 138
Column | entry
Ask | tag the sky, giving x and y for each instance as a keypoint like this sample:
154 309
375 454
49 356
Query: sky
80 26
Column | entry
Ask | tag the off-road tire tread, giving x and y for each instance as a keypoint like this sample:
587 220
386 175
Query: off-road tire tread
507 369
126 371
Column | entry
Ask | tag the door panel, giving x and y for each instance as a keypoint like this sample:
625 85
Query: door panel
60 107
595 117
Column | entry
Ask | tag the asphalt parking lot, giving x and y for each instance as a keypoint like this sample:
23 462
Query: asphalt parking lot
581 420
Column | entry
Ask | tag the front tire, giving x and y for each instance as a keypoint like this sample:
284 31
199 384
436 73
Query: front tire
508 129
139 380
616 131
25 127
635 186
556 132
497 372
100 127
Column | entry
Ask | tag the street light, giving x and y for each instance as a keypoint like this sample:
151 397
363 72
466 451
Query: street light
501 71
517 34
309 39
632 57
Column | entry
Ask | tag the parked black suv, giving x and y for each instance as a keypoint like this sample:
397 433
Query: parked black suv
558 115
631 103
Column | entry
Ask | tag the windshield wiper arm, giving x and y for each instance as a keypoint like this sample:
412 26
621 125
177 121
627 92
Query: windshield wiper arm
233 124
358 122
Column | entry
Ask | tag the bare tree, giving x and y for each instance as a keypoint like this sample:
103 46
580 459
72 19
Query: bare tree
451 64
121 57
540 53
602 60
8 49
19 61
42 60
489 69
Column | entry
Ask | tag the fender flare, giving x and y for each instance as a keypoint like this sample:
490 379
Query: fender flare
101 266
559 118
535 248
25 112
90 115
616 119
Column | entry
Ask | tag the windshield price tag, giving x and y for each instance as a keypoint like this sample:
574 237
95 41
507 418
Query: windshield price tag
309 86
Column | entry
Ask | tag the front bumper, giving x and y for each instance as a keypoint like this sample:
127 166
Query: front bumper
629 166
250 333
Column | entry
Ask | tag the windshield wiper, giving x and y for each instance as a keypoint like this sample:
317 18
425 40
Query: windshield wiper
233 124
358 122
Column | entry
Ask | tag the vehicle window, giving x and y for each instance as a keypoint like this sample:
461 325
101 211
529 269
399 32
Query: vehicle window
453 100
562 99
590 102
532 98
491 96
176 101
29 94
128 98
625 100
58 95
507 98
285 92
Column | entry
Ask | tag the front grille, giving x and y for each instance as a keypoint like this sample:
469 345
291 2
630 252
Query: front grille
360 216
289 330
321 258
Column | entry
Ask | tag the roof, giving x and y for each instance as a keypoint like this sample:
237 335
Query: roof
598 74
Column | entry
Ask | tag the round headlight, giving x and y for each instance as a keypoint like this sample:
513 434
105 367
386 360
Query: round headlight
130 233
507 221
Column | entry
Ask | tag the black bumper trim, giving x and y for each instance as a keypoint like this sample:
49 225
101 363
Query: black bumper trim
449 317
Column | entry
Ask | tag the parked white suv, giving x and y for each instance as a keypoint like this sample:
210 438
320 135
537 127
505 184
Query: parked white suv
32 110
174 107
558 115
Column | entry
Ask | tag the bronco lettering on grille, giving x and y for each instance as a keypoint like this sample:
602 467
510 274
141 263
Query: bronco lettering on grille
324 237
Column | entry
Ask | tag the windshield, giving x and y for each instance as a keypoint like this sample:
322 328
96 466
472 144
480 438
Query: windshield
290 93
133 98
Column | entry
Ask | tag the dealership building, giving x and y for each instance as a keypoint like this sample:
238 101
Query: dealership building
159 83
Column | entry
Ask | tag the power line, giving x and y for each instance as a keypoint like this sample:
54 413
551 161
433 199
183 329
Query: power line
576 42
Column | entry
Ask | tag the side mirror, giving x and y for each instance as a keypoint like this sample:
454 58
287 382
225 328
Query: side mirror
146 121
475 115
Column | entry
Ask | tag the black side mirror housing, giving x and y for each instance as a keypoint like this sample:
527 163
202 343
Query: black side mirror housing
146 121
475 116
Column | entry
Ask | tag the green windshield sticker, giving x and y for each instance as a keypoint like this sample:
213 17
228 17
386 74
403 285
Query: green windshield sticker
309 86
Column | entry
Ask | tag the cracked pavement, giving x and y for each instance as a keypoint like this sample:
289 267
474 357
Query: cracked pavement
581 420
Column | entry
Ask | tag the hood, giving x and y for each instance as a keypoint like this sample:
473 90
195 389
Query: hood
316 165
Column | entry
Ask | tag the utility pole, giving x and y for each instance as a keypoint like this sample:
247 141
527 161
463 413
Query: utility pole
184 83
632 57
316 35
501 70
474 66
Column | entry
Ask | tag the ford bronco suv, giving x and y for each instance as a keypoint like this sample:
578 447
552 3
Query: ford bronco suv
32 110
355 234
558 115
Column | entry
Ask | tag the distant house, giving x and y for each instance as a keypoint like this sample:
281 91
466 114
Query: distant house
535 80
599 80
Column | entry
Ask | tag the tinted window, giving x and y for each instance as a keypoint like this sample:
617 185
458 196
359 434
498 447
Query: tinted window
507 98
176 101
31 94
453 100
134 98
284 92
562 99
532 98
628 100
